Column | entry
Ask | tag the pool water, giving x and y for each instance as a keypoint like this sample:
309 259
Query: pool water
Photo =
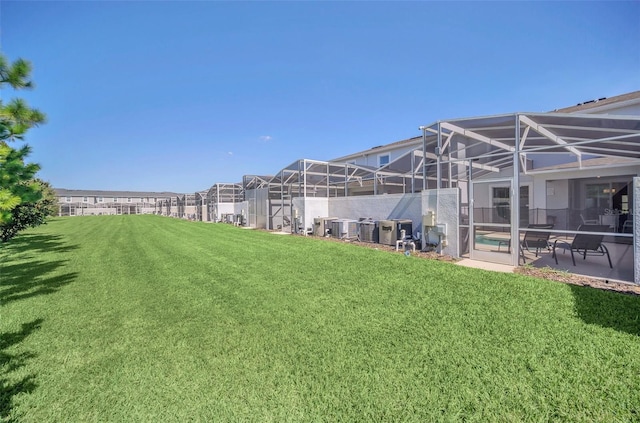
481 239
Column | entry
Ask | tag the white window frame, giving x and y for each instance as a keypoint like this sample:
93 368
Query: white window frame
67 199
380 156
128 199
85 199
100 199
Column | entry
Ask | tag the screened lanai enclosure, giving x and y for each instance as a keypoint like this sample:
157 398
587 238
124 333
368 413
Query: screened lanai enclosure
535 181
168 206
289 200
225 203
505 189
186 206
532 182
163 207
202 206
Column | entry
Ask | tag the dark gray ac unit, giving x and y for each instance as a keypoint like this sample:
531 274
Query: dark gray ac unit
368 231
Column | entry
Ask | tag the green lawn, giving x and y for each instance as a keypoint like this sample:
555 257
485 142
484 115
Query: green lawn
145 318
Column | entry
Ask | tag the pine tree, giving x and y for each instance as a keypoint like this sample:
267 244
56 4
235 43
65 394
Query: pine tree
32 213
16 118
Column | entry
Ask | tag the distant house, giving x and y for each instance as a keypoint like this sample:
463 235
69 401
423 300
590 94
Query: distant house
73 202
625 104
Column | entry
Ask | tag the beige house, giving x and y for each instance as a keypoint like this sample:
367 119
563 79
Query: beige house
90 202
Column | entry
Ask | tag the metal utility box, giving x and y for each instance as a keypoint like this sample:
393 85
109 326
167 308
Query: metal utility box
429 219
344 229
387 232
440 229
322 225
368 231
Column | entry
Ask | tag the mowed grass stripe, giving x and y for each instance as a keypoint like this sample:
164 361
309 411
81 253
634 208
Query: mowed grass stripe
162 319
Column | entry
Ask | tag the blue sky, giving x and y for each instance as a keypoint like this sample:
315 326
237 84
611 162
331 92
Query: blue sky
177 96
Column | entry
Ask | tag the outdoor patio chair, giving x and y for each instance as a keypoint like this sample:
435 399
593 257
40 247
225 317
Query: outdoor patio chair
537 240
627 226
531 240
589 221
585 244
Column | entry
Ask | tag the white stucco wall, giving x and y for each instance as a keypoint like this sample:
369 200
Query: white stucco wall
556 195
225 208
445 203
379 207
242 208
308 208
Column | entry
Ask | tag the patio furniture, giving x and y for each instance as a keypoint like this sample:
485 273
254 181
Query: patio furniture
610 220
585 244
531 240
627 226
589 221
537 240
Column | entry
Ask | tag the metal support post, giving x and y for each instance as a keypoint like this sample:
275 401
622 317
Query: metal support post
439 159
424 158
515 197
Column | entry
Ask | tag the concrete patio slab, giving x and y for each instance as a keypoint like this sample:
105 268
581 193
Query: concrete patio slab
485 265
